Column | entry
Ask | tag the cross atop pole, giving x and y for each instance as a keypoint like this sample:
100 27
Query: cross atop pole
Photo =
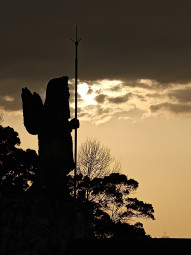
76 42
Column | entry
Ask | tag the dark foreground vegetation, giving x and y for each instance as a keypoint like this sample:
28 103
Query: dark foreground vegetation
48 222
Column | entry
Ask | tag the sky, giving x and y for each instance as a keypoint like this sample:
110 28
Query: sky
134 87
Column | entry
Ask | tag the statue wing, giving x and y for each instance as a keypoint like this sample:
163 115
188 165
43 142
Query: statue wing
32 109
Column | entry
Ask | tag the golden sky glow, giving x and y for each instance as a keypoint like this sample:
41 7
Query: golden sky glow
134 87
147 126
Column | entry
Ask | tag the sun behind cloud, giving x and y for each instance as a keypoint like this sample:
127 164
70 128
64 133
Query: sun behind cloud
83 89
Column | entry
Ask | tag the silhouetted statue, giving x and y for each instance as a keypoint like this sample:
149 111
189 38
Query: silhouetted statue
51 123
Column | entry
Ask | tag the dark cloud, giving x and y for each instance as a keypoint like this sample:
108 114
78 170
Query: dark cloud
136 39
101 111
100 98
183 96
84 115
120 99
153 95
140 97
90 91
116 88
123 39
174 108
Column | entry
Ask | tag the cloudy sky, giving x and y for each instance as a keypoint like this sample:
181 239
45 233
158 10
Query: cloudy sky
134 86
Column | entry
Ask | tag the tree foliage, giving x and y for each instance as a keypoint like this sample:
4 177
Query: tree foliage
99 184
17 167
111 193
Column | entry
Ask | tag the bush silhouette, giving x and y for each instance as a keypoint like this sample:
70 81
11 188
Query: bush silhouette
17 167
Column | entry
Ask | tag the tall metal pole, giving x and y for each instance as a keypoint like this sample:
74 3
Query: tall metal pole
77 40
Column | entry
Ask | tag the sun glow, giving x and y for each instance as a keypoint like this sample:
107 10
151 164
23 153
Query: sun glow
83 91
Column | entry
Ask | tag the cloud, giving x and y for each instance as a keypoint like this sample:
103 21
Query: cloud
151 57
120 99
103 120
173 108
116 88
90 91
156 44
153 95
183 96
8 98
100 110
100 98
114 100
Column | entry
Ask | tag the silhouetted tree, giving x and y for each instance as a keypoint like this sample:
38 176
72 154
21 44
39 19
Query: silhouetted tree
109 192
17 167
95 160
122 231
108 195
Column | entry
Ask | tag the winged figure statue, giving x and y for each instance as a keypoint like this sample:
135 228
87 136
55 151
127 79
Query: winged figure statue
51 122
